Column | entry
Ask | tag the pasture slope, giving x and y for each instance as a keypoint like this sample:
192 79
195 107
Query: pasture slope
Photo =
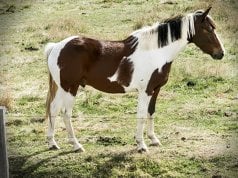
196 118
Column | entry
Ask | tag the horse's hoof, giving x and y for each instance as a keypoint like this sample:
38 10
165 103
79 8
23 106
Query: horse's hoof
79 150
54 147
156 144
142 150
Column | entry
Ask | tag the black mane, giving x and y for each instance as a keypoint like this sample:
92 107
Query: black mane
175 25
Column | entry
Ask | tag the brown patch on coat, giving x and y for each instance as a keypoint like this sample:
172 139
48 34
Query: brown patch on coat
125 71
85 61
158 78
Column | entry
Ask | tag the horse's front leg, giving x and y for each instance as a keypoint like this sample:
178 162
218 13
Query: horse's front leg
150 127
142 111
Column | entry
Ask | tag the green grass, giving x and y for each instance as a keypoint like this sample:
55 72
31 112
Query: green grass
196 118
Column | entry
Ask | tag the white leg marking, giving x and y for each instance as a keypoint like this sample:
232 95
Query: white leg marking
151 134
55 107
141 146
50 135
143 102
68 101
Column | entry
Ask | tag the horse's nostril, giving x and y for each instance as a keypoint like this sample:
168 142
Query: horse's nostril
218 55
222 54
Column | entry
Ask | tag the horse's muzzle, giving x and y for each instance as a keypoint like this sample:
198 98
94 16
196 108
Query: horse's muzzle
218 55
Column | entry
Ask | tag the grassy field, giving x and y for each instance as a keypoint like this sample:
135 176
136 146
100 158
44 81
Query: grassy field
197 124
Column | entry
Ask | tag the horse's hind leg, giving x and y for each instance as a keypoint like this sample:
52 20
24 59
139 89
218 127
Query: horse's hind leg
68 102
55 107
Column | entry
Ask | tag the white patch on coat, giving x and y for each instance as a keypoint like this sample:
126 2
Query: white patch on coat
114 77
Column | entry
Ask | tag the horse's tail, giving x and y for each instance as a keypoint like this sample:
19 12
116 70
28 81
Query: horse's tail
52 85
51 94
48 49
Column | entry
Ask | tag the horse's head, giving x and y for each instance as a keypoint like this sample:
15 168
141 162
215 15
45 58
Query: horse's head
205 36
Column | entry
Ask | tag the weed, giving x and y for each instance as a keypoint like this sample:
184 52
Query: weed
6 100
139 24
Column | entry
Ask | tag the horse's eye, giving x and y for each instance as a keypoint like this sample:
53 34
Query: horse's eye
210 29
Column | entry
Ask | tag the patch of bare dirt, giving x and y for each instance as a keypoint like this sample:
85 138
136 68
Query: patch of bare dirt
196 142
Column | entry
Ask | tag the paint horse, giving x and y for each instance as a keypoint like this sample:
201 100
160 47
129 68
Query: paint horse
139 63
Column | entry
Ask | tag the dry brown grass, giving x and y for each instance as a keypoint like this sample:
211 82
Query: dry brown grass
66 27
6 100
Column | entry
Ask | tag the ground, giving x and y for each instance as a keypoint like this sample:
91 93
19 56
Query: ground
196 112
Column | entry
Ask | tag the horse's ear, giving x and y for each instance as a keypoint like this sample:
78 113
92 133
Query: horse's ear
204 15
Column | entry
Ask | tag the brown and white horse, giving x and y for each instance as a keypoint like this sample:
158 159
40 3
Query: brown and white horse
140 63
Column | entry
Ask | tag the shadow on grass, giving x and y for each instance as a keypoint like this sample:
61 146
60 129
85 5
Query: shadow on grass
104 164
116 160
17 163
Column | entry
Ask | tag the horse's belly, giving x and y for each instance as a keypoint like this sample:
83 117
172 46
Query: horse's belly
105 85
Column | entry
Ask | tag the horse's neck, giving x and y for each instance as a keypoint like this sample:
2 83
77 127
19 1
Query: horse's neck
162 55
166 48
170 51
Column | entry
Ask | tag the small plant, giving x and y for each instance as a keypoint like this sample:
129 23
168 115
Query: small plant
6 100
138 24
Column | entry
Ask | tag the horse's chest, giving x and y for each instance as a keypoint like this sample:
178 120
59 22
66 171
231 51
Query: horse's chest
158 78
149 78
